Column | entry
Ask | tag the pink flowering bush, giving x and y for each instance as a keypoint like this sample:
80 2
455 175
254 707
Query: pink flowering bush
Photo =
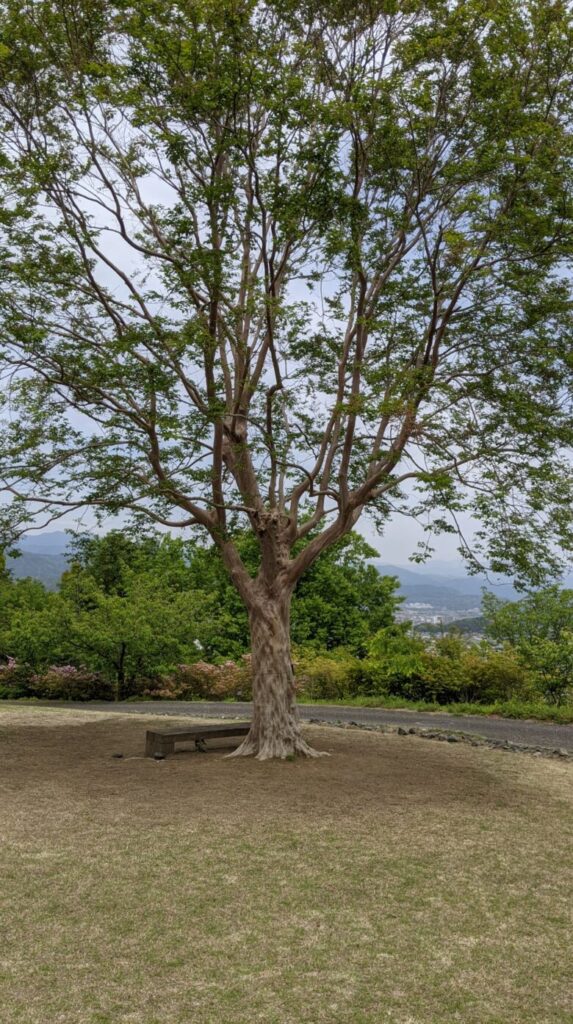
202 681
15 679
66 682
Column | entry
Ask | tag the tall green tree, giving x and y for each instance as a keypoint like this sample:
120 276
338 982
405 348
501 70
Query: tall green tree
107 558
131 571
29 624
342 600
141 628
339 601
544 614
540 627
272 263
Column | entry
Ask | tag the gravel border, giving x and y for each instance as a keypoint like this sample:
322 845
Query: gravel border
452 737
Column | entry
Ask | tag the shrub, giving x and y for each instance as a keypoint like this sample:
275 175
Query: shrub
493 675
401 665
552 664
201 681
324 676
437 678
66 682
366 678
234 680
160 688
454 671
15 680
395 667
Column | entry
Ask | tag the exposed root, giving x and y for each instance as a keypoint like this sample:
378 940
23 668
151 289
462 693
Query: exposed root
276 747
245 749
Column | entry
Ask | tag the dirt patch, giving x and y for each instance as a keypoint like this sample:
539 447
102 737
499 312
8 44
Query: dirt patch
72 753
397 881
50 718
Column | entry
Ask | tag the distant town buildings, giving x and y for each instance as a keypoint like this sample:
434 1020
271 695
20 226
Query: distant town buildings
420 613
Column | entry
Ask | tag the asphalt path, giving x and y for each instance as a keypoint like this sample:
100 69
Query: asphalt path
523 731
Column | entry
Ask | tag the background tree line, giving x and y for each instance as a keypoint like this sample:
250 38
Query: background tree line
130 609
158 616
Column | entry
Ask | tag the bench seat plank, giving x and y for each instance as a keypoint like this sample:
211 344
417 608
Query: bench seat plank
163 741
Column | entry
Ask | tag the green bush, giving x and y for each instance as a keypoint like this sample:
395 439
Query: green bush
438 679
401 665
408 668
492 675
324 676
366 677
552 665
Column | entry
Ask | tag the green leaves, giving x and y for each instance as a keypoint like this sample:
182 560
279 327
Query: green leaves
540 627
133 606
290 256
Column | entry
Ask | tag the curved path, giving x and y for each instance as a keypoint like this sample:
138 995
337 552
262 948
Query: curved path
525 731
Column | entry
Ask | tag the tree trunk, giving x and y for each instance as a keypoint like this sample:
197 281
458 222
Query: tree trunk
120 674
275 729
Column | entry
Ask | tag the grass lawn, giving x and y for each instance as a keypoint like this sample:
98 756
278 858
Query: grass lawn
502 708
398 881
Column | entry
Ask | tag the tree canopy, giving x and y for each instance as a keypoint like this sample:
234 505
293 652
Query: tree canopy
270 264
288 254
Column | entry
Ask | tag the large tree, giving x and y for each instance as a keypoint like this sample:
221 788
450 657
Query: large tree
276 262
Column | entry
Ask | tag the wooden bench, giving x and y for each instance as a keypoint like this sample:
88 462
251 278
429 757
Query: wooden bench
163 743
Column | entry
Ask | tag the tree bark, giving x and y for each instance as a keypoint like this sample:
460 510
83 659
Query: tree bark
275 729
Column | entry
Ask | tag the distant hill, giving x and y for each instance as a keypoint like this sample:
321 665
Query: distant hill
449 592
455 592
53 542
46 568
440 585
42 556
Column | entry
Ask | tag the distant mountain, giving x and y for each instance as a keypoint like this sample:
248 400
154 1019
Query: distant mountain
447 593
54 542
439 597
441 585
46 568
455 591
42 556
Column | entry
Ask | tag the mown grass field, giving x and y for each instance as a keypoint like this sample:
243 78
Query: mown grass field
397 881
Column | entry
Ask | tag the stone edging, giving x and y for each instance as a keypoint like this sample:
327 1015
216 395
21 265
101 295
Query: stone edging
452 737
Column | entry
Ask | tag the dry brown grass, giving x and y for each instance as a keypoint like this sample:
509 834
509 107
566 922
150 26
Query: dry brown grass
399 881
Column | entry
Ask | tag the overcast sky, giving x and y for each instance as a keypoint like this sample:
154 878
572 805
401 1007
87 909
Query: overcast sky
401 539
395 546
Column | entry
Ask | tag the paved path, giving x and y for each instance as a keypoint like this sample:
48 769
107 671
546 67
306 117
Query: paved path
528 732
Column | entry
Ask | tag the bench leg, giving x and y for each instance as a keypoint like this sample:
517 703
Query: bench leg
200 745
166 745
155 744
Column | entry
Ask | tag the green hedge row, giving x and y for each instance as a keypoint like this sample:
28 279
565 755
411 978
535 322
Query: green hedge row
449 672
